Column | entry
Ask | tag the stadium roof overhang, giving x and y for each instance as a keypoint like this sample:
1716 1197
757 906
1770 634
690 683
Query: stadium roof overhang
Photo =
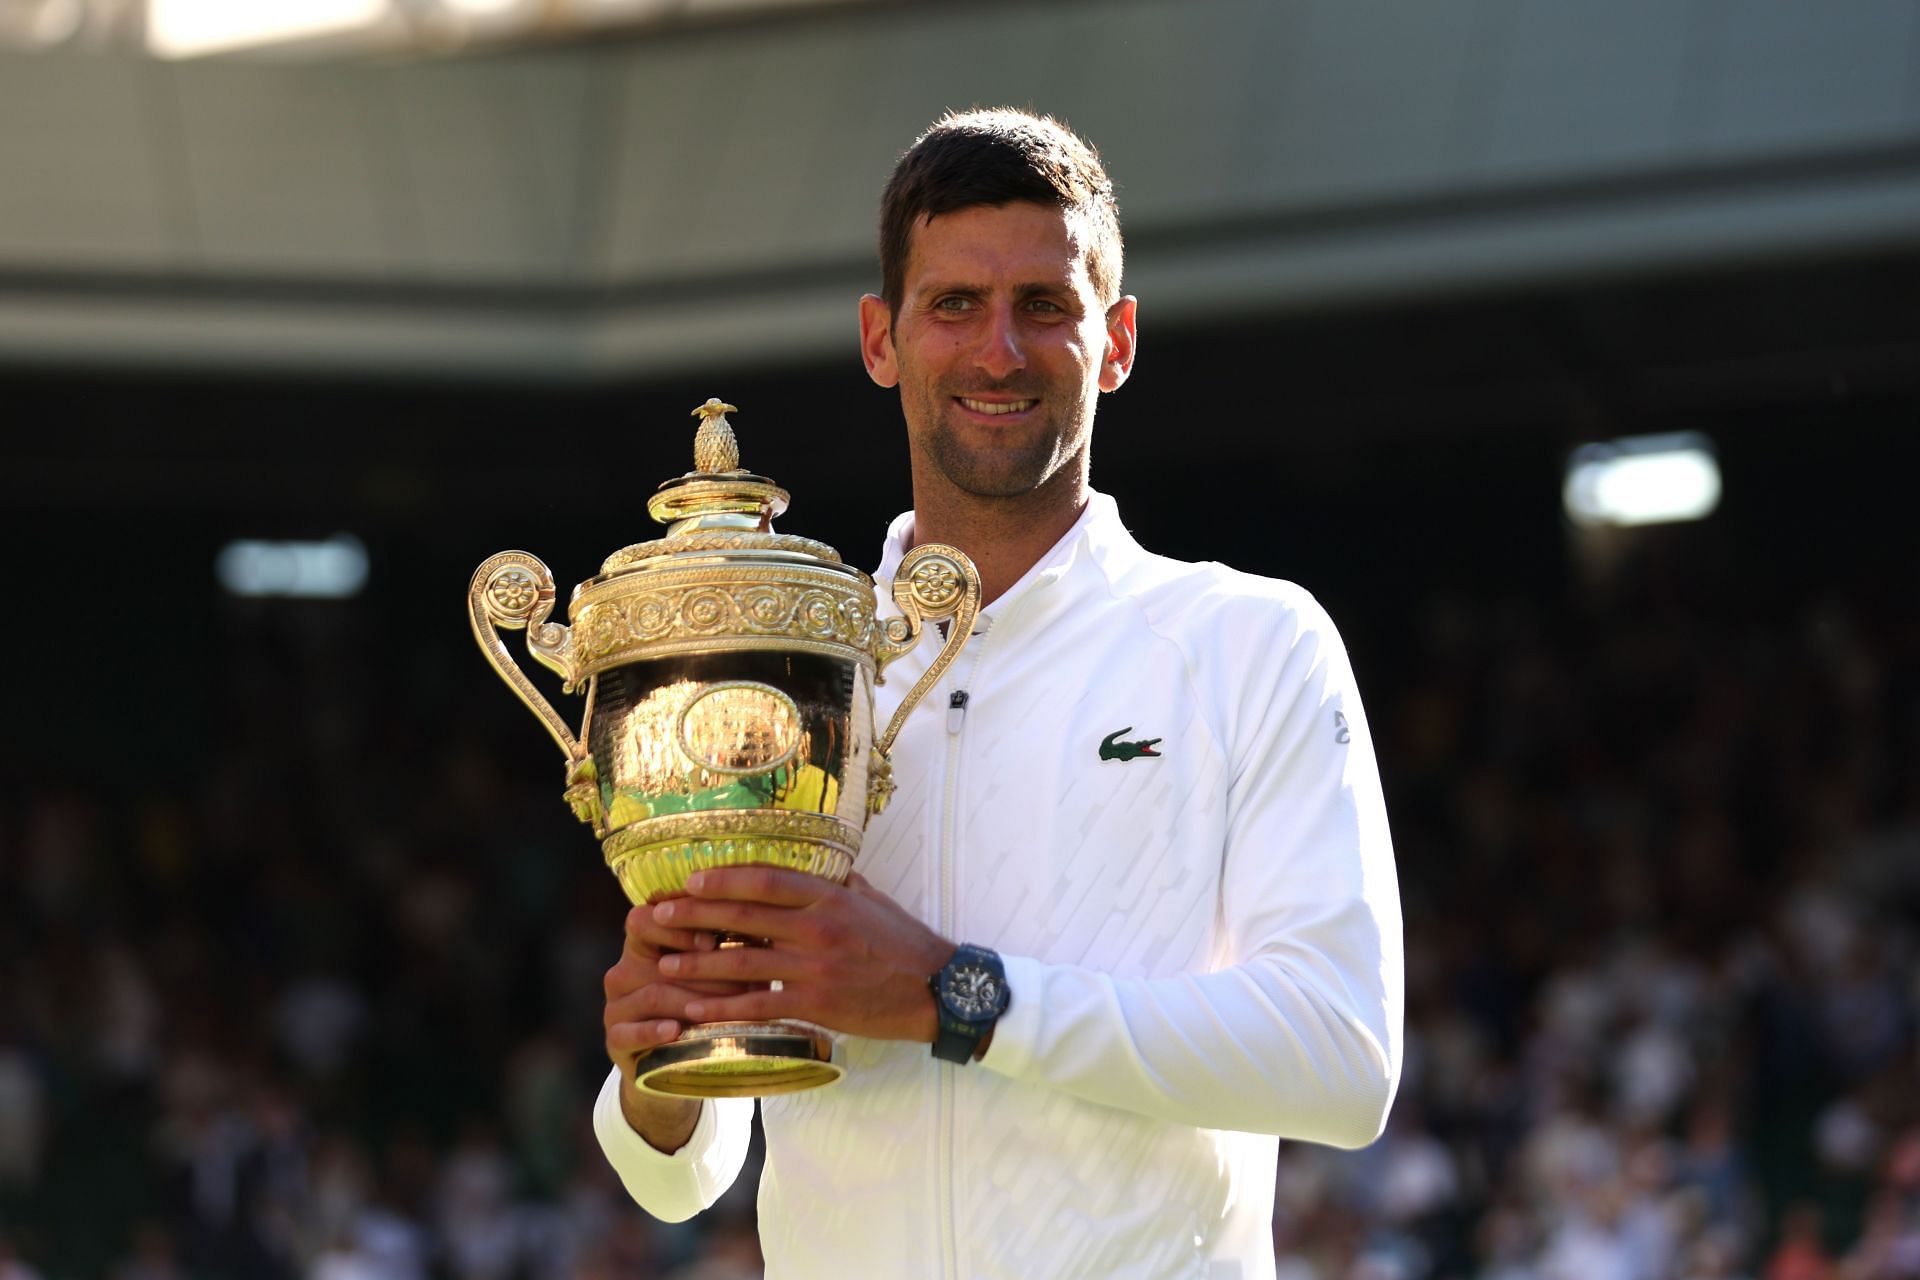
706 197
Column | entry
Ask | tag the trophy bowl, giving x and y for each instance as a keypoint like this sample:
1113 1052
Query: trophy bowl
728 674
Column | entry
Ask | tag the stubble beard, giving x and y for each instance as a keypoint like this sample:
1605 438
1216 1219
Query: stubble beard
1003 466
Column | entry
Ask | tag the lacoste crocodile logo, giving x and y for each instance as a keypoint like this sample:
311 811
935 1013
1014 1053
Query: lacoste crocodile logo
1112 750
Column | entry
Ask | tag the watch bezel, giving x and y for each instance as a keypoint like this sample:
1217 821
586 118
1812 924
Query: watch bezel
971 959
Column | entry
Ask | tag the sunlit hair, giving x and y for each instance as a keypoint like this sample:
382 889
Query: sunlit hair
996 157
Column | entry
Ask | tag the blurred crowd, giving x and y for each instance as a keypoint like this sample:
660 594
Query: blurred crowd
1662 878
321 998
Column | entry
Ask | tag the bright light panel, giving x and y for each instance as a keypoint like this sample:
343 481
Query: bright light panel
330 570
1643 480
188 28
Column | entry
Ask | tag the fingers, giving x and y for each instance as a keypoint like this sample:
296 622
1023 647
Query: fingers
653 1001
775 886
717 988
633 976
896 1009
657 1012
751 1006
643 1012
847 957
627 1040
648 1015
647 936
635 973
747 919
738 966
664 1000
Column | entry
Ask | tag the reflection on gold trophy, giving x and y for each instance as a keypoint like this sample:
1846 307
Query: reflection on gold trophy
728 673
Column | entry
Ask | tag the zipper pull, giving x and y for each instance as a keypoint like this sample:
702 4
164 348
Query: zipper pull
956 711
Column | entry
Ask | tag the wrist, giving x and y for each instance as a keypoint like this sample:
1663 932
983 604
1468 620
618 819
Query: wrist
667 1124
927 1017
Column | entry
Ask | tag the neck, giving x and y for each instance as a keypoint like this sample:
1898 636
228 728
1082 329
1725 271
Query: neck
1005 537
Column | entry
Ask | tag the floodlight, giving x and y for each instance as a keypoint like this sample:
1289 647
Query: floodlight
485 8
1643 480
188 28
330 570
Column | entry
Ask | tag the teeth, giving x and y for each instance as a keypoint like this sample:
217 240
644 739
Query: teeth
983 406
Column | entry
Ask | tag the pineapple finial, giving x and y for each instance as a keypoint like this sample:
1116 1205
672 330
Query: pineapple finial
714 448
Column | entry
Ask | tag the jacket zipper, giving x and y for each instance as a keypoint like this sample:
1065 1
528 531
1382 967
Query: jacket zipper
956 722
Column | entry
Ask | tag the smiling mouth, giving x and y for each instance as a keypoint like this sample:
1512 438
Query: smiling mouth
996 408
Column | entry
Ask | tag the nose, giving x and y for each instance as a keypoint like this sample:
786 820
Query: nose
1000 354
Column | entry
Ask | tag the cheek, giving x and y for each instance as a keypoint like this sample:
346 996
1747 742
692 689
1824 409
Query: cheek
1089 344
928 356
1080 358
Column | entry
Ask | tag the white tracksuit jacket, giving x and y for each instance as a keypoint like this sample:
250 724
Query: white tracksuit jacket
1203 946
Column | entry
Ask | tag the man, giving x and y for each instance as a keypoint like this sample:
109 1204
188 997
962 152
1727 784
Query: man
1151 800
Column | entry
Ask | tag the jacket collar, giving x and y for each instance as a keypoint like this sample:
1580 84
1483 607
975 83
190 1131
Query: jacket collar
1085 550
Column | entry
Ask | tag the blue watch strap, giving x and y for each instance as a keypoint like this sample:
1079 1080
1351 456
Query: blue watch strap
957 1042
960 1031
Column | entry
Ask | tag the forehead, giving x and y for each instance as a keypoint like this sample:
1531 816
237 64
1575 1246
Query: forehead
1010 243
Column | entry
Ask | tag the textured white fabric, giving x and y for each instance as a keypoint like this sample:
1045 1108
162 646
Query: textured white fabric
1203 946
675 1187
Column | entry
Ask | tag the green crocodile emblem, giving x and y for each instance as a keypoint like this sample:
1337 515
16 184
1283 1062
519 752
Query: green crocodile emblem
1112 750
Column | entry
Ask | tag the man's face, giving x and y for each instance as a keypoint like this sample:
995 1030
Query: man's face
1000 348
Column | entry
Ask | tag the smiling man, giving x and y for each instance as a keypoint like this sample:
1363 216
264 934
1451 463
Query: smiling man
1133 915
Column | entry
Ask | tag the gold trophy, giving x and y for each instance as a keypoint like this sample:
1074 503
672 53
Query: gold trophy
729 674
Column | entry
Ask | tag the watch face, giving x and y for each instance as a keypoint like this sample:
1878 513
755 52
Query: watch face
972 992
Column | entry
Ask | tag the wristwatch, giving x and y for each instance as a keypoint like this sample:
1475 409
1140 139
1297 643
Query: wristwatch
969 995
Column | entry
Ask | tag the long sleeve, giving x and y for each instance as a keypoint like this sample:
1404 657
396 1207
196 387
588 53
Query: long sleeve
675 1187
1298 1033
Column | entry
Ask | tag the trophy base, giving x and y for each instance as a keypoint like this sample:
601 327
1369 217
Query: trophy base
738 1060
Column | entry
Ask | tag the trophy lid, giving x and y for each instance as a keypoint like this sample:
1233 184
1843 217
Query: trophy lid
718 506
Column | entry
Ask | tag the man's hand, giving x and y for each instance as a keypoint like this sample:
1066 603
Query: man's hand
846 956
643 1011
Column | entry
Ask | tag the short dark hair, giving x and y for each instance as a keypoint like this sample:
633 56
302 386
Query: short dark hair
996 157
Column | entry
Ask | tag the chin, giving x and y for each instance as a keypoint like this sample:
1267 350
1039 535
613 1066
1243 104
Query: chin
1002 482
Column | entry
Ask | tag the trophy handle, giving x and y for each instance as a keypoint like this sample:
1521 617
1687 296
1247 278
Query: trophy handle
511 591
934 581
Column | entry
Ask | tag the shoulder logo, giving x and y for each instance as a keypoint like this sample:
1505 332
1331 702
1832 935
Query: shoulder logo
1341 732
1111 749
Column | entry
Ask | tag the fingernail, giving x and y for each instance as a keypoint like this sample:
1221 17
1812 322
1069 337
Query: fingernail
696 1010
666 1027
663 912
696 881
669 964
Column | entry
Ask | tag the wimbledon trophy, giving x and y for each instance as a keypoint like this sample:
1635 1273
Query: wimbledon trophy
729 674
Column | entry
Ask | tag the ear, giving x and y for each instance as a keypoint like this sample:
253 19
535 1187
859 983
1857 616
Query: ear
1122 337
876 341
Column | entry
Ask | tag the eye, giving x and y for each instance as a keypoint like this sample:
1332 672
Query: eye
953 303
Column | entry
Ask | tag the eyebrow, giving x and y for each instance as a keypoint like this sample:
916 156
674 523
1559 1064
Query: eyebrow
1021 292
938 289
